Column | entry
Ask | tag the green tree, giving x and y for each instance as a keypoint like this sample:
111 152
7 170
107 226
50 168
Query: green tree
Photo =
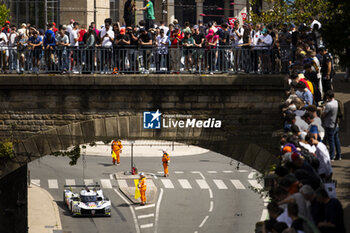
336 30
4 14
291 11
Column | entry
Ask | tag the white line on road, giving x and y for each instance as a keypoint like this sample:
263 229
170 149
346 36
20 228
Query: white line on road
251 175
146 225
255 184
238 184
185 184
167 183
155 177
144 206
203 222
157 209
122 183
88 182
211 206
106 183
70 182
111 176
145 216
160 172
53 184
36 182
178 172
131 209
210 194
264 215
227 171
212 172
202 184
220 184
243 170
197 172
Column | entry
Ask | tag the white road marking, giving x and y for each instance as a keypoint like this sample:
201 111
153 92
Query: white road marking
185 184
146 225
145 216
122 183
197 172
264 215
212 172
88 182
111 176
53 184
155 177
70 182
106 183
203 222
243 170
36 182
220 184
202 184
251 175
167 183
227 171
238 184
178 172
157 209
131 209
211 206
145 207
210 194
160 172
255 184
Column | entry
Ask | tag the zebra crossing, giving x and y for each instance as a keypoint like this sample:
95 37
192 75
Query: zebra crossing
184 181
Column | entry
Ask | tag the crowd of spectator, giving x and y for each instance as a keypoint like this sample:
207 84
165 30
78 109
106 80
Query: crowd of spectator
302 191
150 47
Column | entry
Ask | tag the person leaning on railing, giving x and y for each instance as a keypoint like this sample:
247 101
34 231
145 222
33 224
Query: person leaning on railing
187 44
62 42
162 56
4 51
49 46
35 43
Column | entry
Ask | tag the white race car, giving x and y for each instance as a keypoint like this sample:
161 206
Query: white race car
88 202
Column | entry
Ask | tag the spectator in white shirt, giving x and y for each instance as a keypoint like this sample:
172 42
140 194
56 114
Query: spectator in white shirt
107 37
325 169
162 50
74 37
4 51
265 41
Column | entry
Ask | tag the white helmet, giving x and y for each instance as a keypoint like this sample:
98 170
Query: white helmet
164 150
142 174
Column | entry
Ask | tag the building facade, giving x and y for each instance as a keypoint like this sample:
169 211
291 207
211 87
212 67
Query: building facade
39 12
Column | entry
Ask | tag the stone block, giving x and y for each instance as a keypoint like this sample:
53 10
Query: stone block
31 148
53 140
168 105
111 127
135 126
123 127
69 117
76 132
88 129
199 105
42 144
65 136
100 128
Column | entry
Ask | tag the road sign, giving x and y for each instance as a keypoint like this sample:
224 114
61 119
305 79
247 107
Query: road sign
244 16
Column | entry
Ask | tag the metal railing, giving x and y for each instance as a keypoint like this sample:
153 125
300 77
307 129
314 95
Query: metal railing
131 60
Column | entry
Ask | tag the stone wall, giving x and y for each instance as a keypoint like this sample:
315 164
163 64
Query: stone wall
247 105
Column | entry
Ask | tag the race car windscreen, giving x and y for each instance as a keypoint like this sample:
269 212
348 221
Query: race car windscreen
88 198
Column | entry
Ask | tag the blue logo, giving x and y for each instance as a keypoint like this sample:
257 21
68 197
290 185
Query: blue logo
151 120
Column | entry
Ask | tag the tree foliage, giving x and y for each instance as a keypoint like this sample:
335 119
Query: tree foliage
6 149
290 11
73 154
336 30
4 14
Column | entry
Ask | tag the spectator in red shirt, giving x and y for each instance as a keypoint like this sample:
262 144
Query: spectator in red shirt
54 27
175 37
81 34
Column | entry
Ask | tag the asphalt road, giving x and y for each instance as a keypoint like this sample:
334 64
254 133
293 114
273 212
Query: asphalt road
204 193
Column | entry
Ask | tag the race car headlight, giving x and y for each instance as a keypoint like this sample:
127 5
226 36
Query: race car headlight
107 210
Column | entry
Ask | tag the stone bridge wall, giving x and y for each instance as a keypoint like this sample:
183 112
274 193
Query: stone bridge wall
247 105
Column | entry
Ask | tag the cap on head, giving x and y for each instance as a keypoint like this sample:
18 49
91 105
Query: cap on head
195 27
